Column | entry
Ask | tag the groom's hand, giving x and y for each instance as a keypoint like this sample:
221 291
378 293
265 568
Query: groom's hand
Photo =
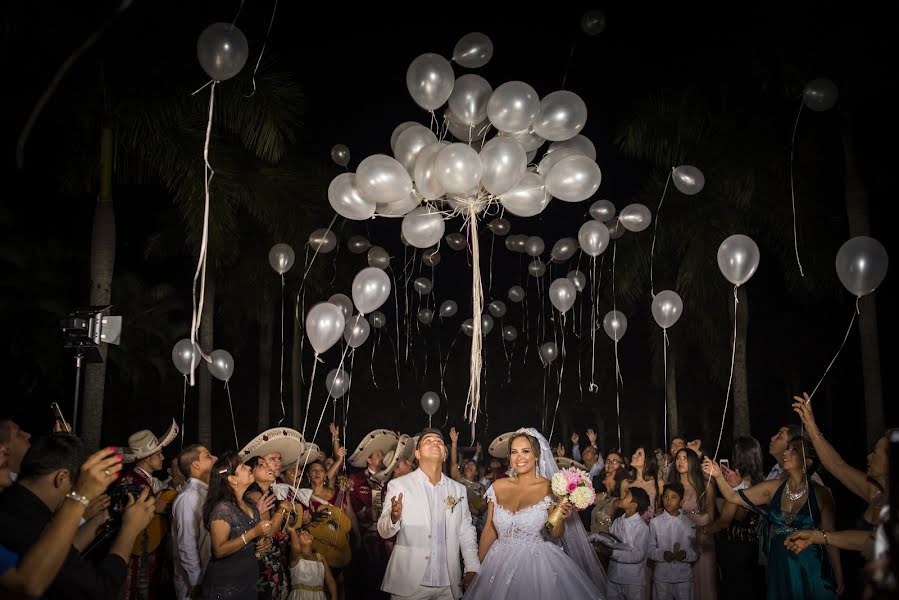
396 508
467 579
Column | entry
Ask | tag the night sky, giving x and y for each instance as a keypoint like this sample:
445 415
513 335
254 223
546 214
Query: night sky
349 62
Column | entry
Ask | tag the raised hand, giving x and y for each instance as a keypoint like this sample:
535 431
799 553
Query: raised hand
396 508
98 471
265 503
341 452
591 435
802 406
335 430
454 435
575 438
710 467
733 478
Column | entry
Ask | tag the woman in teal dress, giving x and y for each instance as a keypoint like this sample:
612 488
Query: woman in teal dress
788 507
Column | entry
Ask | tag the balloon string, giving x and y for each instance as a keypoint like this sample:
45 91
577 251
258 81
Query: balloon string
315 362
561 375
655 229
281 392
792 190
261 52
371 362
594 292
570 57
477 308
490 285
204 241
183 411
239 9
730 378
233 422
665 384
855 313
346 402
317 246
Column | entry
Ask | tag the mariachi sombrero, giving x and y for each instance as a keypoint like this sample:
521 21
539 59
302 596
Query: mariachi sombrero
563 462
499 447
288 442
379 439
143 443
405 450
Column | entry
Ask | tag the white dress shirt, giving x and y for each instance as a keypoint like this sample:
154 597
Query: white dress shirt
156 485
628 565
436 573
597 467
666 532
192 544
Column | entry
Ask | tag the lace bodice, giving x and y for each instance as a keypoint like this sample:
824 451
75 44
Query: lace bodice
525 525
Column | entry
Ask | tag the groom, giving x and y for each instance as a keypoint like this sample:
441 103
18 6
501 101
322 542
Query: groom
428 512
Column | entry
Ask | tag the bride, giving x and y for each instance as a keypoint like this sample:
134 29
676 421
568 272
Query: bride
518 558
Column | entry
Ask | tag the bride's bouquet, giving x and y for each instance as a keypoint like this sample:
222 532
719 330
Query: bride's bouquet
572 485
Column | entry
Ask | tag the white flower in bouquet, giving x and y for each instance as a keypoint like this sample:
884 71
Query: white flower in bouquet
582 497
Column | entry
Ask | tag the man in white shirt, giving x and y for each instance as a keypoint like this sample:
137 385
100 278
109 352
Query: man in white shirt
192 549
627 567
591 456
672 545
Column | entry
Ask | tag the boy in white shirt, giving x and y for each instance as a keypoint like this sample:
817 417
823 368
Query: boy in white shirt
672 545
627 568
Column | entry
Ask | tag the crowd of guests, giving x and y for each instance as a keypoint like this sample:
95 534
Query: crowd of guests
282 519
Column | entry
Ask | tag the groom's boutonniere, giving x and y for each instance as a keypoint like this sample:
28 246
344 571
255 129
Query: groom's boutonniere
452 501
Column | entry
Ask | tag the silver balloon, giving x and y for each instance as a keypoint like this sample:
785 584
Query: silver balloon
616 229
528 198
667 307
382 179
458 168
516 243
469 134
185 356
423 227
358 244
222 51
347 200
425 316
615 324
281 257
564 249
356 330
573 179
562 116
377 319
516 293
430 403
337 382
378 257
534 246
423 286
504 162
324 326
343 302
820 94
548 353
529 140
468 102
340 154
602 210
455 240
497 308
467 327
486 324
398 208
429 80
562 294
635 217
513 106
448 308
371 288
578 279
473 50
579 144
410 142
593 22
499 226
550 159
688 179
222 365
424 174
738 258
430 257
861 265
397 131
536 268
322 240
510 333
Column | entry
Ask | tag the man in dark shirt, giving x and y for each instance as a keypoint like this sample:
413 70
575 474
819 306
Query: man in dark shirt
45 481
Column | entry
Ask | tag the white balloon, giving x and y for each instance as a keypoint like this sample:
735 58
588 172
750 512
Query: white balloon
562 115
562 294
423 227
398 208
324 326
468 102
667 307
504 162
458 169
429 80
337 382
472 135
513 106
574 179
738 258
820 94
383 179
635 217
343 302
528 198
222 364
322 240
347 200
222 50
862 264
529 140
423 172
474 50
550 159
356 331
281 257
593 238
580 144
371 288
340 154
688 179
185 354
615 324
409 144
578 279
397 131
602 210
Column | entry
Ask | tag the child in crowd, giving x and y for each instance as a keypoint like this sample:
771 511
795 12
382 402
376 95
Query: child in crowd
627 567
672 545
309 571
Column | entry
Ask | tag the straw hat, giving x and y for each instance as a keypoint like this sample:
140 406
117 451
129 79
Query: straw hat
143 443
379 439
405 450
499 447
288 442
563 462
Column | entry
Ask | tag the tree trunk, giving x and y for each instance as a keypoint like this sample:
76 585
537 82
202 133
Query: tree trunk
265 319
103 246
207 330
741 382
296 382
856 196
671 385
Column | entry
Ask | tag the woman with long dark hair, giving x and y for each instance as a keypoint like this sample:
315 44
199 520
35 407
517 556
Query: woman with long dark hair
642 474
698 504
233 526
271 551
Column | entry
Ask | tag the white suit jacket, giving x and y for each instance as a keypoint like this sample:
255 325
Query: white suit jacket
408 560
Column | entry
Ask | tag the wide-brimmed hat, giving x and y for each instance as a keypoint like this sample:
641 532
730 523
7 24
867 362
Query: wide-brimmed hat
563 462
143 443
499 447
379 439
288 442
405 450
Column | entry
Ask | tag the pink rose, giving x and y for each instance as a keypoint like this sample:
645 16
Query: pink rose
572 486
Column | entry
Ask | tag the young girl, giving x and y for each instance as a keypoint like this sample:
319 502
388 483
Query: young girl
309 571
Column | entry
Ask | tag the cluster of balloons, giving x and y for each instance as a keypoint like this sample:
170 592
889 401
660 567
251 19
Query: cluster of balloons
186 357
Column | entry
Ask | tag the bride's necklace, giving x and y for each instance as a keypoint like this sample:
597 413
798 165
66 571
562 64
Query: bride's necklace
794 495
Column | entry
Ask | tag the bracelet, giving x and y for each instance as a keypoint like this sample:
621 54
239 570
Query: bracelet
824 533
243 537
284 511
82 500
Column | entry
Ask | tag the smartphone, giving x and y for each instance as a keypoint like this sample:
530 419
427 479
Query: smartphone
725 463
57 414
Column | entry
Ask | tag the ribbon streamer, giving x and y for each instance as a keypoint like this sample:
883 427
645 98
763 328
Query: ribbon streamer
281 391
183 411
233 422
655 230
792 191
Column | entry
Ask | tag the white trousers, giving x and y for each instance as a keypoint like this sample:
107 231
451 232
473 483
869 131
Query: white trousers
672 591
428 593
625 591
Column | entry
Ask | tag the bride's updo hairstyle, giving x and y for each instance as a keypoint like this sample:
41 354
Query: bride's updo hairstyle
535 444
